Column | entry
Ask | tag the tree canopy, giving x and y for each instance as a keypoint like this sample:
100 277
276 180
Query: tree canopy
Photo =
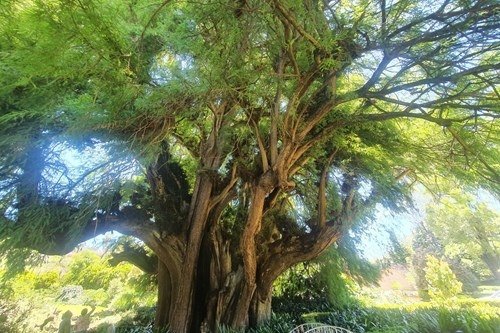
235 138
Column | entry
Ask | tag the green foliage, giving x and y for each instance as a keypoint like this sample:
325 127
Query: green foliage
90 271
331 280
425 244
410 319
19 286
141 321
47 280
114 74
407 89
13 317
98 297
130 298
300 289
28 298
467 227
342 270
443 285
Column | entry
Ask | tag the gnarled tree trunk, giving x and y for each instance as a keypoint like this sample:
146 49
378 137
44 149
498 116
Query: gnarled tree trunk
164 296
260 307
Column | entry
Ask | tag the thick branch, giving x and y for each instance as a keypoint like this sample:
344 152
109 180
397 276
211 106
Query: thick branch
436 80
136 256
129 221
285 253
394 115
275 113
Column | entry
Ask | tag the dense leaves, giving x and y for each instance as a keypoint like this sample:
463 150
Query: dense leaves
228 134
443 285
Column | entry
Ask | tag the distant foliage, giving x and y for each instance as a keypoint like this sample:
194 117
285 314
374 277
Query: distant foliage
17 287
468 229
98 297
443 284
47 280
425 243
90 271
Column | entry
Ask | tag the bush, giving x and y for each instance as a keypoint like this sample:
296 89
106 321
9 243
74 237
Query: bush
19 287
131 295
443 284
99 297
46 280
140 322
88 270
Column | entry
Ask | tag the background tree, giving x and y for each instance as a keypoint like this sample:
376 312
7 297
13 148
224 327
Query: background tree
443 285
235 139
425 244
468 229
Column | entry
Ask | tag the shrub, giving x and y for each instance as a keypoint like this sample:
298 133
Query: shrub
137 292
19 287
88 270
98 297
443 284
46 280
141 321
279 323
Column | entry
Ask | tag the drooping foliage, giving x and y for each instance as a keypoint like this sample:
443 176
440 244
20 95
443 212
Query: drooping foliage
325 283
235 138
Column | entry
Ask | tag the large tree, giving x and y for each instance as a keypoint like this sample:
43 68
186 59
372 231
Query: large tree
235 138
